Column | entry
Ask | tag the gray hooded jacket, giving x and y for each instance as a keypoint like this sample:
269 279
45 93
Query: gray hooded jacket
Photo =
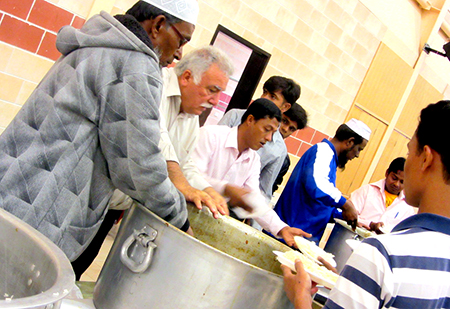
90 126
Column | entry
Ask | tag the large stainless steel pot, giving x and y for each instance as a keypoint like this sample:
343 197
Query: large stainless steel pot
34 272
230 265
336 242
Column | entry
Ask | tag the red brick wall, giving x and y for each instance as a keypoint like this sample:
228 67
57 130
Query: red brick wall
302 140
32 25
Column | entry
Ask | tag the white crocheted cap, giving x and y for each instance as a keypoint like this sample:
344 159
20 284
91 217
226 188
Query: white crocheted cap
359 128
186 10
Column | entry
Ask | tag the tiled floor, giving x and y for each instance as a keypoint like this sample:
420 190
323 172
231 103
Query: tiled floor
91 274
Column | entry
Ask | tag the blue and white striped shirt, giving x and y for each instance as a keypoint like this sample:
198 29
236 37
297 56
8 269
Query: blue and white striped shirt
409 268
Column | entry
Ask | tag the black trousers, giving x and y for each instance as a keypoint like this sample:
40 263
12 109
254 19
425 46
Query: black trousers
87 257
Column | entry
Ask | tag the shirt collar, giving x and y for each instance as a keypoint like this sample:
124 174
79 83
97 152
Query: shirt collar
427 221
277 136
334 149
232 142
172 90
381 185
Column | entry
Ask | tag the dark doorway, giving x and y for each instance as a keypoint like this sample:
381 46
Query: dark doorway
250 62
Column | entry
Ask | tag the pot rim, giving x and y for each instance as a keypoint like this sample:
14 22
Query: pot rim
207 212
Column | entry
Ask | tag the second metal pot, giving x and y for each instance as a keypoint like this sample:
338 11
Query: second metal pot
336 243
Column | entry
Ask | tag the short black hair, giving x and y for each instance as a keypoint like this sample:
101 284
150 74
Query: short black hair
398 164
142 11
434 126
297 114
344 133
289 88
262 108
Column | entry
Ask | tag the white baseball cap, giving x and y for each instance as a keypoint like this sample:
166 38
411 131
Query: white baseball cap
186 10
359 128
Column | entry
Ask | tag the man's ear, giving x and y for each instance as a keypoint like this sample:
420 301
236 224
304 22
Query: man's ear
386 174
185 78
153 26
250 119
427 158
350 143
285 107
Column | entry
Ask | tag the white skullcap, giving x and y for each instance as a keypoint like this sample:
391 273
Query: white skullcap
186 10
359 128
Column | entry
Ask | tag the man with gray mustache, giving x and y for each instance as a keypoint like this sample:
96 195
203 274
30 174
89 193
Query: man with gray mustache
194 85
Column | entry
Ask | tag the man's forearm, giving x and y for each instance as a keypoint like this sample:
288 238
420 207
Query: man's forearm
176 176
198 197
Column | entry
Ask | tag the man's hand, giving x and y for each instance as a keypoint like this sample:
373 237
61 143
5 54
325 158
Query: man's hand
190 194
375 226
288 233
198 197
235 194
221 203
350 214
360 224
298 287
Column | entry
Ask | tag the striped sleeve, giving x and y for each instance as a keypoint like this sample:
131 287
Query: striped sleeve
366 281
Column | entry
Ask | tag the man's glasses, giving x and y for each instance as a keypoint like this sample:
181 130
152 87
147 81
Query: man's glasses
183 40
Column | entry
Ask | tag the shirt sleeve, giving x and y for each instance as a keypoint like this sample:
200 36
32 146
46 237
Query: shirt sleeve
165 144
269 174
120 201
194 177
271 222
358 198
283 171
317 181
130 146
232 118
367 280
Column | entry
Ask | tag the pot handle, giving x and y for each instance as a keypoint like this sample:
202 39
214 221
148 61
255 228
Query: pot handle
142 238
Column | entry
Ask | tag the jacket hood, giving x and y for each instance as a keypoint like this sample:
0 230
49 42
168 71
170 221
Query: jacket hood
101 30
